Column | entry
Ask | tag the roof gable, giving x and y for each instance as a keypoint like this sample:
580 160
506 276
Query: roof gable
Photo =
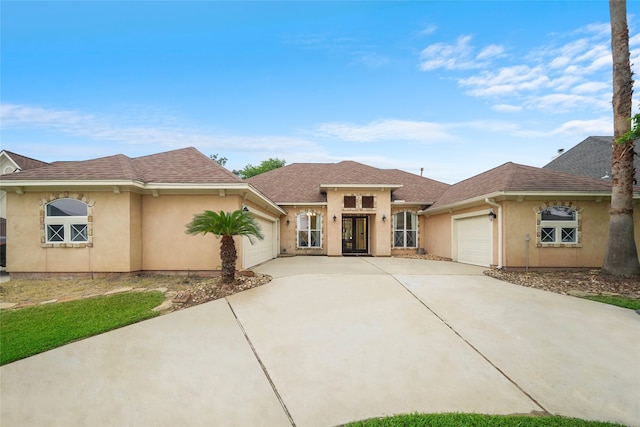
21 162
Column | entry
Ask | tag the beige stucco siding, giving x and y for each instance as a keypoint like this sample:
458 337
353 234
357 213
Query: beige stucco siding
109 252
165 244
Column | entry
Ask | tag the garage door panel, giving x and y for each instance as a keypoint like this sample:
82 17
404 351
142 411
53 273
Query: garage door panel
261 250
474 240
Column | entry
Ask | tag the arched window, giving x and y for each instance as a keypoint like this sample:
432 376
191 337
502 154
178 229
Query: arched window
66 221
405 230
559 224
309 230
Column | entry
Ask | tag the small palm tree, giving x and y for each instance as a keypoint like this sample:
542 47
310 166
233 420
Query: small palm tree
226 225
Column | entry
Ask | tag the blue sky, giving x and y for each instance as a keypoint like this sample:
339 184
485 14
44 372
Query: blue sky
453 87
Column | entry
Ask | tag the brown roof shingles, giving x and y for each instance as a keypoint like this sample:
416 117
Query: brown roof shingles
300 182
24 162
513 177
186 165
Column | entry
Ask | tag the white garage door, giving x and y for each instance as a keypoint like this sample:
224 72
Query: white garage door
474 240
261 250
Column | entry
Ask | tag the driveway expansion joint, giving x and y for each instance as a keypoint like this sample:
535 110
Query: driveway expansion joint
529 396
264 369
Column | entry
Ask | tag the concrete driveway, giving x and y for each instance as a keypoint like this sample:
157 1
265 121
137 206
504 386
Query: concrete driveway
331 340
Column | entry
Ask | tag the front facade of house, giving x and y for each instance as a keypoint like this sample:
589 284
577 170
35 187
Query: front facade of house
122 215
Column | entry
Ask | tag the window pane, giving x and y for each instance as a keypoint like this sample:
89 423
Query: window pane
316 220
411 239
55 233
558 213
303 238
303 222
548 235
78 232
398 239
66 207
315 239
411 221
569 235
398 220
349 201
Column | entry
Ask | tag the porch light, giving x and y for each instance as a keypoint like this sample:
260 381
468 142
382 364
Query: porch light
492 215
384 217
334 218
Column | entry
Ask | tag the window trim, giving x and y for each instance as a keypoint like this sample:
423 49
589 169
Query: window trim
309 230
67 222
404 230
545 228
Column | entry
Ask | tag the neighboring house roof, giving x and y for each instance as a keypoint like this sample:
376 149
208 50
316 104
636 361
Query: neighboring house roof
302 182
186 165
22 162
591 157
519 179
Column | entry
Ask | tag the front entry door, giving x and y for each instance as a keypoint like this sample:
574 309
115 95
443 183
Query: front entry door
355 235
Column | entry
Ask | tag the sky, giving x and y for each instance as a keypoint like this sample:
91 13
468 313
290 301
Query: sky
454 87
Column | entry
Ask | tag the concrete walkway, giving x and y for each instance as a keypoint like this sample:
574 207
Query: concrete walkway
331 340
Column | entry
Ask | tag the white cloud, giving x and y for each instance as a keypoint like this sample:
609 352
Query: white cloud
387 130
429 29
507 108
121 129
601 126
566 73
491 51
449 56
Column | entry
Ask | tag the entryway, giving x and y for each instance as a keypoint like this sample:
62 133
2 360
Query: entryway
355 235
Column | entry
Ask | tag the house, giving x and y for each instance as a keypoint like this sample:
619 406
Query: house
124 215
591 157
348 208
515 216
121 214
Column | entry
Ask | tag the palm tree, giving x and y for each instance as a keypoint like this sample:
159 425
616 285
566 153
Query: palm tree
226 225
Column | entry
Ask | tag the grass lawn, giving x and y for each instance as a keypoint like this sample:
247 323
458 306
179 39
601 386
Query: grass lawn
476 420
620 301
32 330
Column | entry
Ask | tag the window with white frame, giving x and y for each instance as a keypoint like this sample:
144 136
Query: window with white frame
558 224
66 221
405 230
309 230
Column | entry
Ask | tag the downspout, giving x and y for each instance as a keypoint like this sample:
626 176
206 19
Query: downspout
493 203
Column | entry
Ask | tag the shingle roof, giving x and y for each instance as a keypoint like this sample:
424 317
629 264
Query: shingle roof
300 182
186 165
591 157
24 162
513 177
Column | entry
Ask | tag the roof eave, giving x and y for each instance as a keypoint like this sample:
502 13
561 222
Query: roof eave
517 195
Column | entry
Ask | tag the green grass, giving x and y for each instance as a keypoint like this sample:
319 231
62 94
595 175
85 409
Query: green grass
476 420
32 330
620 301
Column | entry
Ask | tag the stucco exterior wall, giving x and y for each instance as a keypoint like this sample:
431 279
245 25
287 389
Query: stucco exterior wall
519 220
110 250
593 229
289 231
166 246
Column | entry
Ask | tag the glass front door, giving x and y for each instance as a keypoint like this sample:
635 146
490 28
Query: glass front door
355 235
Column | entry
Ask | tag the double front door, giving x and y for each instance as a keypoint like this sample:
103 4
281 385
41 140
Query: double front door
355 235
